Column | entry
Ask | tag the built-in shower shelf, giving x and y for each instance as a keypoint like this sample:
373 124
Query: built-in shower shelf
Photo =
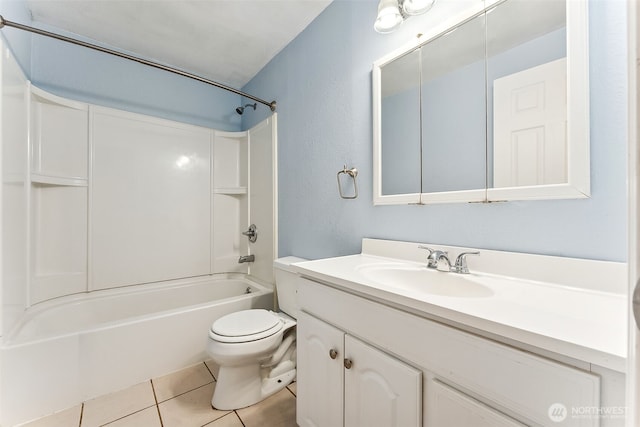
230 190
58 180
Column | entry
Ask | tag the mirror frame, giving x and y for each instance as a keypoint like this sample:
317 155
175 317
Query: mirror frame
578 144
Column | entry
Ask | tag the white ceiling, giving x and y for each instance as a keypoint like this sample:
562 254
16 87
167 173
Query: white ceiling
228 41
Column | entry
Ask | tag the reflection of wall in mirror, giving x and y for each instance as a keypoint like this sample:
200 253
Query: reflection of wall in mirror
454 130
400 143
456 155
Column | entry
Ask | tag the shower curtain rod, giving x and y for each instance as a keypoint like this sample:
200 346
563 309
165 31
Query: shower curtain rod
5 23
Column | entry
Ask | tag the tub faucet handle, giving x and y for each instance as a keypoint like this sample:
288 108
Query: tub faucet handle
251 233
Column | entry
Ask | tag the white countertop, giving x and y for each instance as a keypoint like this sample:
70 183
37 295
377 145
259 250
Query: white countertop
584 324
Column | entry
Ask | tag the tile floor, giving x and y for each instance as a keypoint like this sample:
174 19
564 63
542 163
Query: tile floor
180 399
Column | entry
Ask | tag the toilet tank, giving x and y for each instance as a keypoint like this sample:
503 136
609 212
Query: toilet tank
287 285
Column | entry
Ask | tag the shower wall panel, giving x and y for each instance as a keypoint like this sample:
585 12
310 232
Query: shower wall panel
150 199
230 201
58 196
262 207
58 241
96 198
13 168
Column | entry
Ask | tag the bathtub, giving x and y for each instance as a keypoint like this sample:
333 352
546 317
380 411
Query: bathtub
71 349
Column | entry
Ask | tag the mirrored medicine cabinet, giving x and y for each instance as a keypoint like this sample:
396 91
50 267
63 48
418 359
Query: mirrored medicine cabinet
491 106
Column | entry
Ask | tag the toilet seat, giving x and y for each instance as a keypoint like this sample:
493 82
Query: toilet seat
246 326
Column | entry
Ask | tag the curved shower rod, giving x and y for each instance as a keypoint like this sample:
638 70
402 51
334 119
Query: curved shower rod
5 23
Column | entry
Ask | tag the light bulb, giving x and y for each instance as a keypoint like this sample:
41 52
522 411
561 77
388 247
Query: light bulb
389 17
417 7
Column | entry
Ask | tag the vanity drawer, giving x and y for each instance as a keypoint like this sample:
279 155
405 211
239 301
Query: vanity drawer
501 376
447 406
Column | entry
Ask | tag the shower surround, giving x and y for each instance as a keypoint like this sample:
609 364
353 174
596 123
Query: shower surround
103 212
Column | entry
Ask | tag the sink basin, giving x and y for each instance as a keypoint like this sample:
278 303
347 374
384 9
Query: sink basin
423 279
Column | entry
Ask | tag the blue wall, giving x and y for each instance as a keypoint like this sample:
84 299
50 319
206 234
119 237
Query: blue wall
19 41
322 82
79 73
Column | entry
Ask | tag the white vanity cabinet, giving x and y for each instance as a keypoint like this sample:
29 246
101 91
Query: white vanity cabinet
447 406
463 378
344 381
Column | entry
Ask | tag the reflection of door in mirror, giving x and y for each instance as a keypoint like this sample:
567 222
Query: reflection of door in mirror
530 126
527 87
400 125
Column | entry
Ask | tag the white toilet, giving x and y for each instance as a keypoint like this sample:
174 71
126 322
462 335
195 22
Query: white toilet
256 349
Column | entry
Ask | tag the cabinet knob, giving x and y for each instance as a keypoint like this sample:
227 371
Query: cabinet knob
348 363
333 353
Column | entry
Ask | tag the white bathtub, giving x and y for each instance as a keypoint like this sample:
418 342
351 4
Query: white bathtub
75 348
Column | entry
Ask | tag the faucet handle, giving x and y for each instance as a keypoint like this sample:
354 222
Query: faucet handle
460 265
434 256
426 248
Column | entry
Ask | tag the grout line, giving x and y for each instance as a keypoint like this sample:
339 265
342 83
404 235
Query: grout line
81 414
153 388
188 391
159 415
291 391
139 410
212 422
125 416
210 371
238 415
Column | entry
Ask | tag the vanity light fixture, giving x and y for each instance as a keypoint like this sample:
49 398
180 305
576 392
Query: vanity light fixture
391 13
389 16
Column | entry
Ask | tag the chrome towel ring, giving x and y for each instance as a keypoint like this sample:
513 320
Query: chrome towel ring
353 173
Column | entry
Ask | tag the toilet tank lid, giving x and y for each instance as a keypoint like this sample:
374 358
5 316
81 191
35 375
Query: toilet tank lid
285 262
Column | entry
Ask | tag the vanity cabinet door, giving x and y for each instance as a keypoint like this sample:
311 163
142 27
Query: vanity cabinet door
345 382
320 353
449 407
379 389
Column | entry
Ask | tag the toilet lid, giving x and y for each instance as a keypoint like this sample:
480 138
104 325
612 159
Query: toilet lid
246 325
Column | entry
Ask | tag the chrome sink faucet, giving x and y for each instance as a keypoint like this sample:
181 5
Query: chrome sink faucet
436 256
461 262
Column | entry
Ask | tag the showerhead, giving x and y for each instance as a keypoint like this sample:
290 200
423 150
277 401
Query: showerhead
240 110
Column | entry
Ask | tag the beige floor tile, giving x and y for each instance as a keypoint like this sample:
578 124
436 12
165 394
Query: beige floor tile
294 388
182 381
146 418
67 418
191 409
229 420
213 367
278 410
111 407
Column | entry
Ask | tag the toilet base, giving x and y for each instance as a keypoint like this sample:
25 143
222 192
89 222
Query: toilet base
241 386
